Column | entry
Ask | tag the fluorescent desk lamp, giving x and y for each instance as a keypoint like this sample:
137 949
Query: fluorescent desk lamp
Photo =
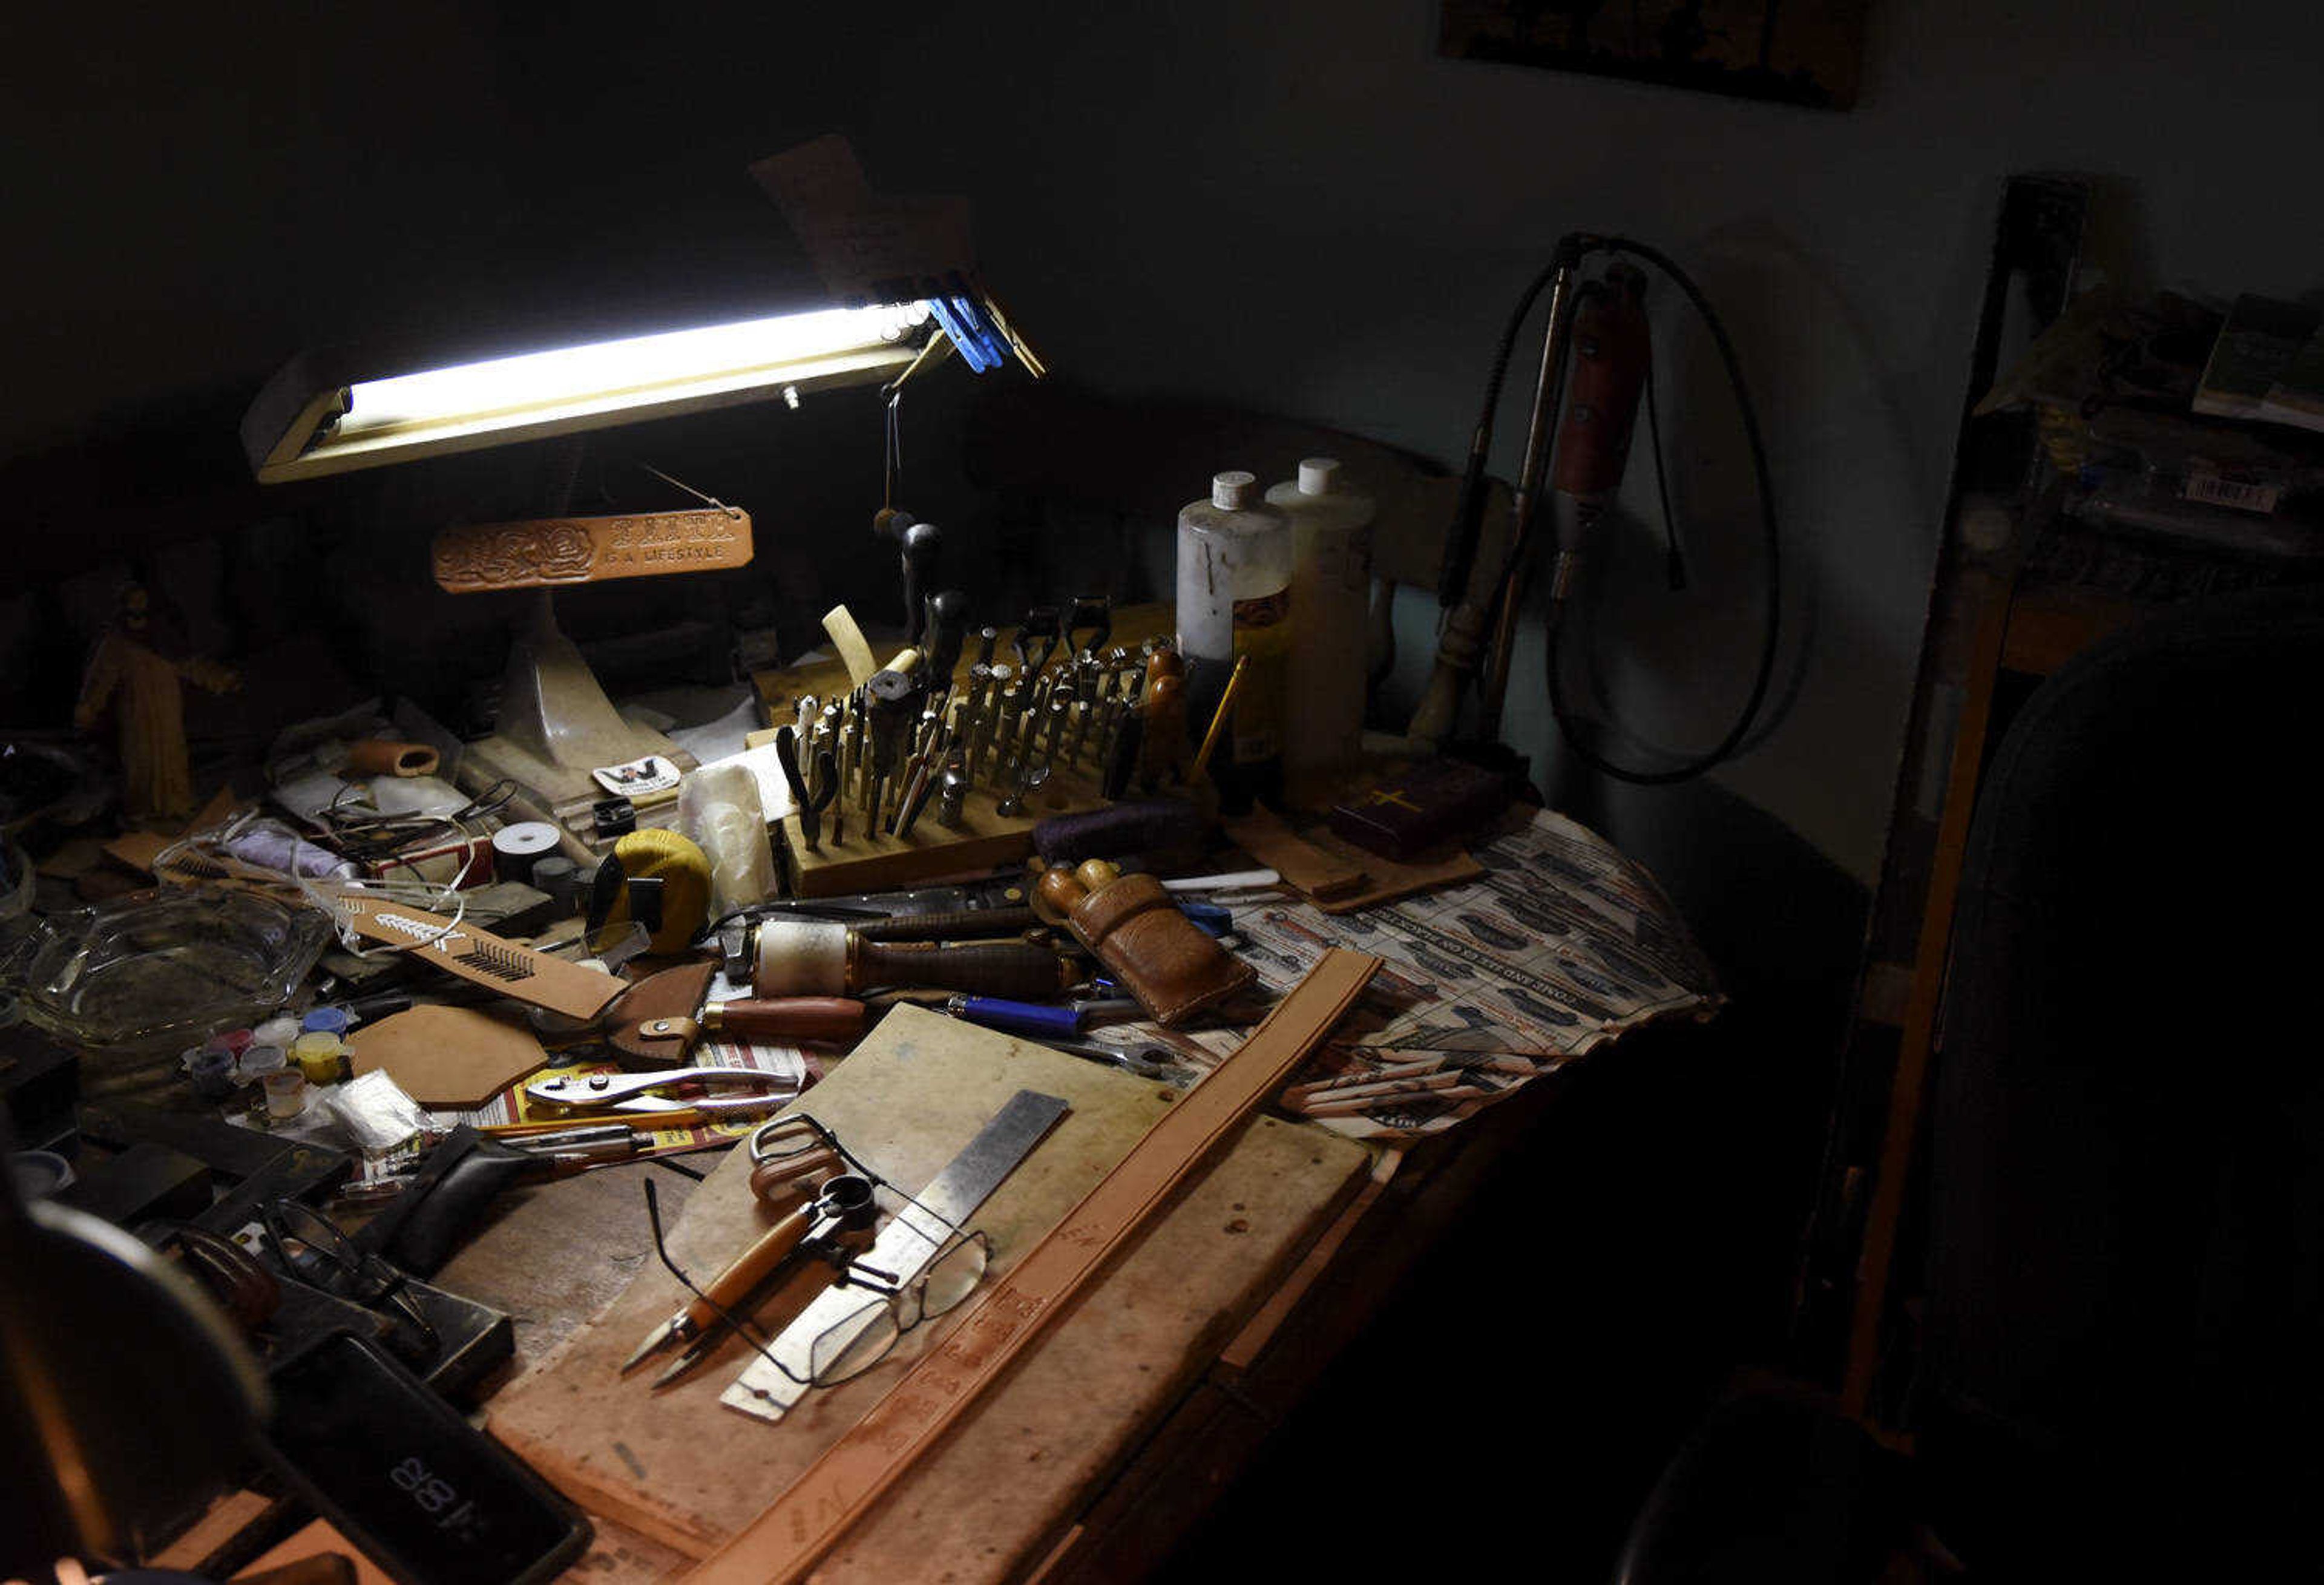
322 414
331 413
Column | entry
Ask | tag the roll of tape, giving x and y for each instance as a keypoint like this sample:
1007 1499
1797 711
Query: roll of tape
517 848
800 957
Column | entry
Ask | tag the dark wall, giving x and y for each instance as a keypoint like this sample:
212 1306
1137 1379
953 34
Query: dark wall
196 193
1297 207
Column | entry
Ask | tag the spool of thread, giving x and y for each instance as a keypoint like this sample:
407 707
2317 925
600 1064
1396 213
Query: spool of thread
560 877
519 848
286 1094
321 1058
379 757
40 1173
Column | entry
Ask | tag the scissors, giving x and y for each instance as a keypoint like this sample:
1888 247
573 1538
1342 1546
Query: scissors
639 1094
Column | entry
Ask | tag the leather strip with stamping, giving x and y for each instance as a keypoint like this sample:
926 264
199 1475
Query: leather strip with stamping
544 552
788 1538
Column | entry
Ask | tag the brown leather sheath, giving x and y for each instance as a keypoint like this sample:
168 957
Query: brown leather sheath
1172 968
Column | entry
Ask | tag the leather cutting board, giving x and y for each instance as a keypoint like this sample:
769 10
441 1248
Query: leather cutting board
681 1468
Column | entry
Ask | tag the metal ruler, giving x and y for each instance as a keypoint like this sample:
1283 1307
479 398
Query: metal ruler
783 1543
904 1248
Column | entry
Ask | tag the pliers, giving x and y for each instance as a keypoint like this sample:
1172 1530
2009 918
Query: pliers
638 1094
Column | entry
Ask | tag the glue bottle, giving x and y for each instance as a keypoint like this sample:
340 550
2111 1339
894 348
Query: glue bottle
1234 602
1330 589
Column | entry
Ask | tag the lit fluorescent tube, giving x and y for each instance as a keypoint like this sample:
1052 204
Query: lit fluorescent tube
307 424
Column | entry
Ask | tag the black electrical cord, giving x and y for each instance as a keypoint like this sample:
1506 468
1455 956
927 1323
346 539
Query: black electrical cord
1771 600
1674 563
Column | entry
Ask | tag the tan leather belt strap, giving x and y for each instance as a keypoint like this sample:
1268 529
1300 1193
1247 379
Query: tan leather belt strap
852 1474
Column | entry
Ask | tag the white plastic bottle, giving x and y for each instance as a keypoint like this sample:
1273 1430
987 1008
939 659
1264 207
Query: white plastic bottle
1330 589
1234 600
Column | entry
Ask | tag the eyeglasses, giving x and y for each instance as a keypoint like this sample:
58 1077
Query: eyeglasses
784 1150
310 1248
854 1343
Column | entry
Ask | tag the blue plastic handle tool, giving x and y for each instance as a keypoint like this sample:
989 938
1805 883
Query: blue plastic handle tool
965 337
969 304
1019 1018
1211 918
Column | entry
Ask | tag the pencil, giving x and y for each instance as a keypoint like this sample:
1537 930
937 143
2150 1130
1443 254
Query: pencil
1219 717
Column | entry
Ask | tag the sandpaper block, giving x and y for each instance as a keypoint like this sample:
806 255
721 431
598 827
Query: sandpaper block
456 1057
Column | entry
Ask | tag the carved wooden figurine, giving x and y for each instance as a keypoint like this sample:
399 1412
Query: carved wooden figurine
142 685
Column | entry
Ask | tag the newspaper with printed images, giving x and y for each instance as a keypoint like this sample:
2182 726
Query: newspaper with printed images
1562 945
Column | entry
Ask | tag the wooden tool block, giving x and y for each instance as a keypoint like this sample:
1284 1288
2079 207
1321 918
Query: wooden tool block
986 840
679 1467
827 676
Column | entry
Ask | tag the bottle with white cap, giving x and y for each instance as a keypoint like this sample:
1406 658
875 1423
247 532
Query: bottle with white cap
1330 589
1234 601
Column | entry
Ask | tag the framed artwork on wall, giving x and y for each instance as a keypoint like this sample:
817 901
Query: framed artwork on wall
1797 52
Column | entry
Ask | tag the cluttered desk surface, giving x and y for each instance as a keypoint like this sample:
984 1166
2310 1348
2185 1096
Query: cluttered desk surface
763 1190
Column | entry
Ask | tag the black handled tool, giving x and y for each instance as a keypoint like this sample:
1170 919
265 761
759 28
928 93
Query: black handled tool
1044 622
944 632
921 542
810 804
1094 615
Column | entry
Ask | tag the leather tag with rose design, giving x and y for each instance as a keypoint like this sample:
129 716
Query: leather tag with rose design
543 552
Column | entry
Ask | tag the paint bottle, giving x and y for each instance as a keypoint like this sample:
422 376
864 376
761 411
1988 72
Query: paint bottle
1330 589
286 1094
258 1061
322 1056
1234 601
211 1068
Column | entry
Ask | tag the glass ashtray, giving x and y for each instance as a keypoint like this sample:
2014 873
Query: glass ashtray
152 972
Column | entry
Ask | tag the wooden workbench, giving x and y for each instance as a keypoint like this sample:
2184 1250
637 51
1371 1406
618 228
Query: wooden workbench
563 1252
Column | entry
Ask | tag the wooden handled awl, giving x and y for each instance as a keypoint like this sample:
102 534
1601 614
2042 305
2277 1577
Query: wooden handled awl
845 1204
829 1019
658 1019
806 957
